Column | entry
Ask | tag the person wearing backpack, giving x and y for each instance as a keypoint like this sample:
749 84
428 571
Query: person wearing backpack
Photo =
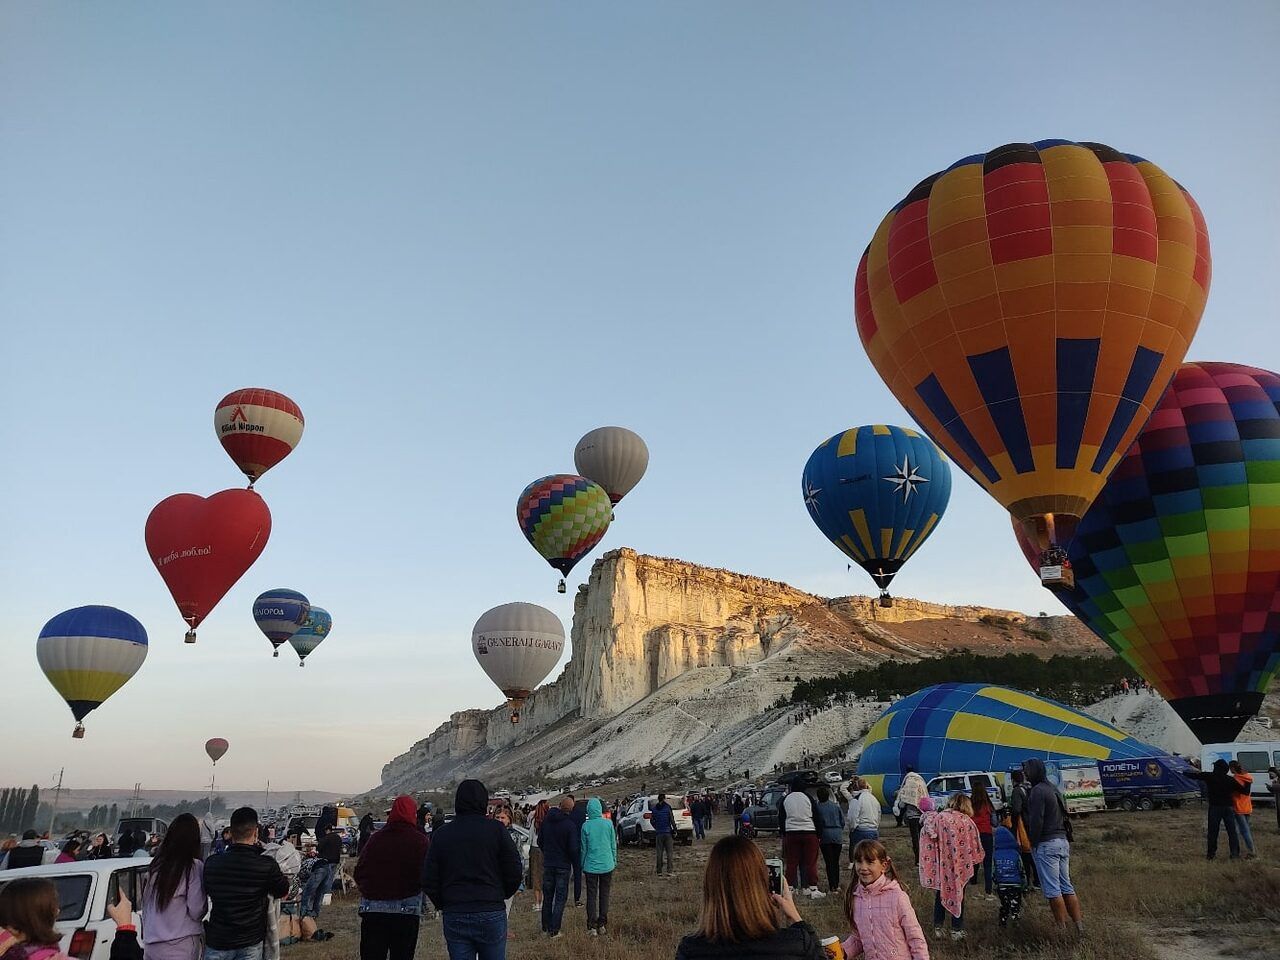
1049 830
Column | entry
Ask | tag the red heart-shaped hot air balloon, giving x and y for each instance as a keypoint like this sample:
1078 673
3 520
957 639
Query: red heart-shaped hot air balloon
203 546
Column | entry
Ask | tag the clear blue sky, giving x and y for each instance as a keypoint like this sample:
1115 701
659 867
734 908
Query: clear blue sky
462 235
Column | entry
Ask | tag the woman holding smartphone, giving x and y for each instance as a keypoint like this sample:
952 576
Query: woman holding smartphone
738 908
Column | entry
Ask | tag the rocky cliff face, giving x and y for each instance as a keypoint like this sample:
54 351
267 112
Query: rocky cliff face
670 660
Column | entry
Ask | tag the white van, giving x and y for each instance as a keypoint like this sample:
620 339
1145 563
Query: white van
1254 755
944 785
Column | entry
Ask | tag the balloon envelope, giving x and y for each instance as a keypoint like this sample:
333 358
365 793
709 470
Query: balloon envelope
88 653
314 630
563 516
957 727
258 428
614 457
517 645
1177 564
216 748
1028 306
877 492
201 547
280 613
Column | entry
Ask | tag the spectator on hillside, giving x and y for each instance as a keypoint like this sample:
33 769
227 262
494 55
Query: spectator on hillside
389 875
830 836
741 917
1049 831
1222 789
598 845
174 903
663 820
1243 806
238 883
559 841
798 827
472 866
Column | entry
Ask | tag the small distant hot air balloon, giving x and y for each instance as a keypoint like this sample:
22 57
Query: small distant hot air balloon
877 492
517 645
216 748
563 516
258 428
203 546
314 630
88 653
280 613
614 457
1028 306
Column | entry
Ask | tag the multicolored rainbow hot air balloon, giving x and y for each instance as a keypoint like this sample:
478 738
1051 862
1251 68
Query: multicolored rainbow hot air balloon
88 653
563 516
1177 564
877 492
258 428
314 630
977 726
279 614
1028 306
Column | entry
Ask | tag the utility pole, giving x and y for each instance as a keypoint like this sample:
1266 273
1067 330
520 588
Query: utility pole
57 793
266 800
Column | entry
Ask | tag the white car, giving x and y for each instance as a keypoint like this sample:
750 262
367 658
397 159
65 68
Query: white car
634 824
84 891
832 776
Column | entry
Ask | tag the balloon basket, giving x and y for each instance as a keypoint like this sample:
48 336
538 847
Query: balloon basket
515 716
560 587
78 732
302 663
190 637
275 653
886 600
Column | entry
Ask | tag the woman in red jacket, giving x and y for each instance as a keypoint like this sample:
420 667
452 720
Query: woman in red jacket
983 813
389 875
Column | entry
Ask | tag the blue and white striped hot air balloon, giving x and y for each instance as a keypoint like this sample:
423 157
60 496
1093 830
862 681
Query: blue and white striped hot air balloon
88 653
279 614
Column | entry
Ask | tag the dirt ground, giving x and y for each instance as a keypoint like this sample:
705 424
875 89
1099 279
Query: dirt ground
1147 891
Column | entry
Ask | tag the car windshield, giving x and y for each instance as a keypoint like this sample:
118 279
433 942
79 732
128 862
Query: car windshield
73 892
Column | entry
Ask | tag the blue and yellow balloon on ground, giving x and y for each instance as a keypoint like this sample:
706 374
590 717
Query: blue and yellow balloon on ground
877 492
954 727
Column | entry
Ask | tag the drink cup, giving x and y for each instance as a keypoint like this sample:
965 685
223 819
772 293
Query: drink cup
834 948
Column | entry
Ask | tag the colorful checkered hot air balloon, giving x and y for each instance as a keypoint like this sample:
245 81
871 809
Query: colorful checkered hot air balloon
1177 564
954 727
1028 306
877 492
563 516
88 653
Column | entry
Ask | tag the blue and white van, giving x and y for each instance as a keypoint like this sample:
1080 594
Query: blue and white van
1256 756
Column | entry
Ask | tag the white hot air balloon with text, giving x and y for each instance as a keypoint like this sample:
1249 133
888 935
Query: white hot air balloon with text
517 645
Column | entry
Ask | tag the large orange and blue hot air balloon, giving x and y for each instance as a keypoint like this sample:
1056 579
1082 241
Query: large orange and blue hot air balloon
877 492
1028 306
563 516
1177 564
88 653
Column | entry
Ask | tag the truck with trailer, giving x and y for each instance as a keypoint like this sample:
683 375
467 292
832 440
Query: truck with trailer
1147 783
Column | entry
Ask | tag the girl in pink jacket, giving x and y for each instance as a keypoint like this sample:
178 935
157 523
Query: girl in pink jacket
884 924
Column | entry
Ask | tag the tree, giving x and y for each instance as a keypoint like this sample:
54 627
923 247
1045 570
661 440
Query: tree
13 810
4 808
114 816
30 808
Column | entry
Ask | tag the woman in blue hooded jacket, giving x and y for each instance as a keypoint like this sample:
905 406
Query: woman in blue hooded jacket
598 850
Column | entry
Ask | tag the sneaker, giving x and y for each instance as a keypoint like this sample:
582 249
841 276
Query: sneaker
816 894
937 933
957 934
555 936
601 930
591 931
988 896
537 908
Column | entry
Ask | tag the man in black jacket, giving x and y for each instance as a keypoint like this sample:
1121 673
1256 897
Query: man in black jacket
559 841
1221 788
472 867
238 883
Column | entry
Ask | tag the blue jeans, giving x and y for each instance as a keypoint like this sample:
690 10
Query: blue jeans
699 830
940 913
1053 864
1244 830
318 884
476 936
855 835
239 953
555 891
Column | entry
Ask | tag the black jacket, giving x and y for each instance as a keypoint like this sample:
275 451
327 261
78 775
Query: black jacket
238 883
330 847
796 942
559 839
472 865
1044 813
1221 786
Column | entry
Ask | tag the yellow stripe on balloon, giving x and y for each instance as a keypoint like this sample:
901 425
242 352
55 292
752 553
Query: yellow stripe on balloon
848 443
859 520
880 430
1045 709
970 726
93 685
853 548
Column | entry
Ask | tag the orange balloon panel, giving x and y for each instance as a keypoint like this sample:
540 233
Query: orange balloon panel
1028 307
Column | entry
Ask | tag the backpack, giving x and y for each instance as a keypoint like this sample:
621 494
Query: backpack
1066 818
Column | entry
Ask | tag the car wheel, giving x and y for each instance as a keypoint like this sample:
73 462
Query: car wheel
1126 804
1146 803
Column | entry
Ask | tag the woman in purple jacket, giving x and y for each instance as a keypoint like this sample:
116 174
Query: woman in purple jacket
175 901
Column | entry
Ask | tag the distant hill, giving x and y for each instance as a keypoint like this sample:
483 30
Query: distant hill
87 797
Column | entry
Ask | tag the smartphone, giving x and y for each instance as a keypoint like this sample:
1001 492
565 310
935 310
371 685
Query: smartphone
775 875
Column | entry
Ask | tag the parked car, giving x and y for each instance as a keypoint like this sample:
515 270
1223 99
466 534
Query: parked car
635 827
1254 755
944 785
144 825
1147 783
764 815
832 776
84 891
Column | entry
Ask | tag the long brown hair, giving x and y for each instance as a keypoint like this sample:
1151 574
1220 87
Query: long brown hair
868 851
736 906
175 858
981 800
30 906
540 813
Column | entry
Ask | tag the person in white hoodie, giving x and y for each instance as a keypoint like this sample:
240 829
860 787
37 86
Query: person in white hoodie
907 805
864 814
798 827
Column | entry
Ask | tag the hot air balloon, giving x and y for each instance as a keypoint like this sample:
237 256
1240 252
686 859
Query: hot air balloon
1177 564
314 630
517 645
88 653
1028 306
258 428
216 748
203 546
978 726
563 516
280 613
877 492
614 457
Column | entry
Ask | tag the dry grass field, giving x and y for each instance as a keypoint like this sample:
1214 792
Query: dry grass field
1147 892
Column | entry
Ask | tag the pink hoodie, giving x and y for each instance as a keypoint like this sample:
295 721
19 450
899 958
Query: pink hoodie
884 924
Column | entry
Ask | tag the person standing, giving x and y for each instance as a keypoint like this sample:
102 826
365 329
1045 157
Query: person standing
285 854
578 814
697 808
238 882
983 815
1018 825
830 836
598 845
663 821
1222 789
797 825
864 814
389 875
1273 784
28 853
738 806
949 850
174 903
906 805
365 831
1049 831
1243 806
471 867
320 881
536 820
559 842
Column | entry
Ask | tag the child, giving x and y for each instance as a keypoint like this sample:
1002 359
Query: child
884 924
1011 881
747 829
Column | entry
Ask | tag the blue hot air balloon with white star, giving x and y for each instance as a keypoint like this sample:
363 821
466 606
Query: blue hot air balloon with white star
877 492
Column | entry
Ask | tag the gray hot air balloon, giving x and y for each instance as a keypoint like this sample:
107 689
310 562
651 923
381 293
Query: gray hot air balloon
614 457
517 645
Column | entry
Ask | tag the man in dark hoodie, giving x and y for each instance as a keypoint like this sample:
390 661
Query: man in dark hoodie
389 874
1045 819
472 867
579 816
1221 787
559 842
